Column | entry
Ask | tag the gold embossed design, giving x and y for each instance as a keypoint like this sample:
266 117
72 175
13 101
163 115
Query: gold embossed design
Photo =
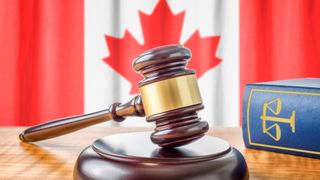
170 94
251 142
276 111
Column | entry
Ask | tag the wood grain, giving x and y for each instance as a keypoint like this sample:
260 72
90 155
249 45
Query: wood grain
55 158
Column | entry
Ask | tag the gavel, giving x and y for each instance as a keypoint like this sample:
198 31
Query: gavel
169 96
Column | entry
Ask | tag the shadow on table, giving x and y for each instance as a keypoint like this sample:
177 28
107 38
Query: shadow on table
42 161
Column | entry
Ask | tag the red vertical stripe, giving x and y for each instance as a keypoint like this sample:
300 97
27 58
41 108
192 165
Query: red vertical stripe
279 40
41 60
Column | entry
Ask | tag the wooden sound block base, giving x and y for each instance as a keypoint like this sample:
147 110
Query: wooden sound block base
133 156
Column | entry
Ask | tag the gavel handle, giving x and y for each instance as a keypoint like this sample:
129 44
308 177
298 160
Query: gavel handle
116 111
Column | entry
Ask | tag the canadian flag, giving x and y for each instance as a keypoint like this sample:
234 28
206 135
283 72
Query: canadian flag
62 58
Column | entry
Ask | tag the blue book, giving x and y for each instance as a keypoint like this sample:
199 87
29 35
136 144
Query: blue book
283 116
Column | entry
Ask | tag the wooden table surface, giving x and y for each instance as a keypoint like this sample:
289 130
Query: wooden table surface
55 158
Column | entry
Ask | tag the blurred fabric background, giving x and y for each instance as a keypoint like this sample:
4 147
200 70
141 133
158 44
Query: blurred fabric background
63 58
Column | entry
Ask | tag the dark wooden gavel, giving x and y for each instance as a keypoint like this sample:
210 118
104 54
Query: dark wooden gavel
169 96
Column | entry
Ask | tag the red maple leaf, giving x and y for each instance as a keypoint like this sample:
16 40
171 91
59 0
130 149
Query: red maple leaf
160 28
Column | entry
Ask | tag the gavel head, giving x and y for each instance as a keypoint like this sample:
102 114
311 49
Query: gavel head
170 95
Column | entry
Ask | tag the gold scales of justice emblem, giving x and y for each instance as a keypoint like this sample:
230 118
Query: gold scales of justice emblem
275 110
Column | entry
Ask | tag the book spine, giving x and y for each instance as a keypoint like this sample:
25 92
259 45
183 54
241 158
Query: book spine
282 119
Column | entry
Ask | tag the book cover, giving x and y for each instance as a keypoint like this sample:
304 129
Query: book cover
283 116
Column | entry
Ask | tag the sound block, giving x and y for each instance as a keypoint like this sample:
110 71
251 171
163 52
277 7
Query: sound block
133 156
